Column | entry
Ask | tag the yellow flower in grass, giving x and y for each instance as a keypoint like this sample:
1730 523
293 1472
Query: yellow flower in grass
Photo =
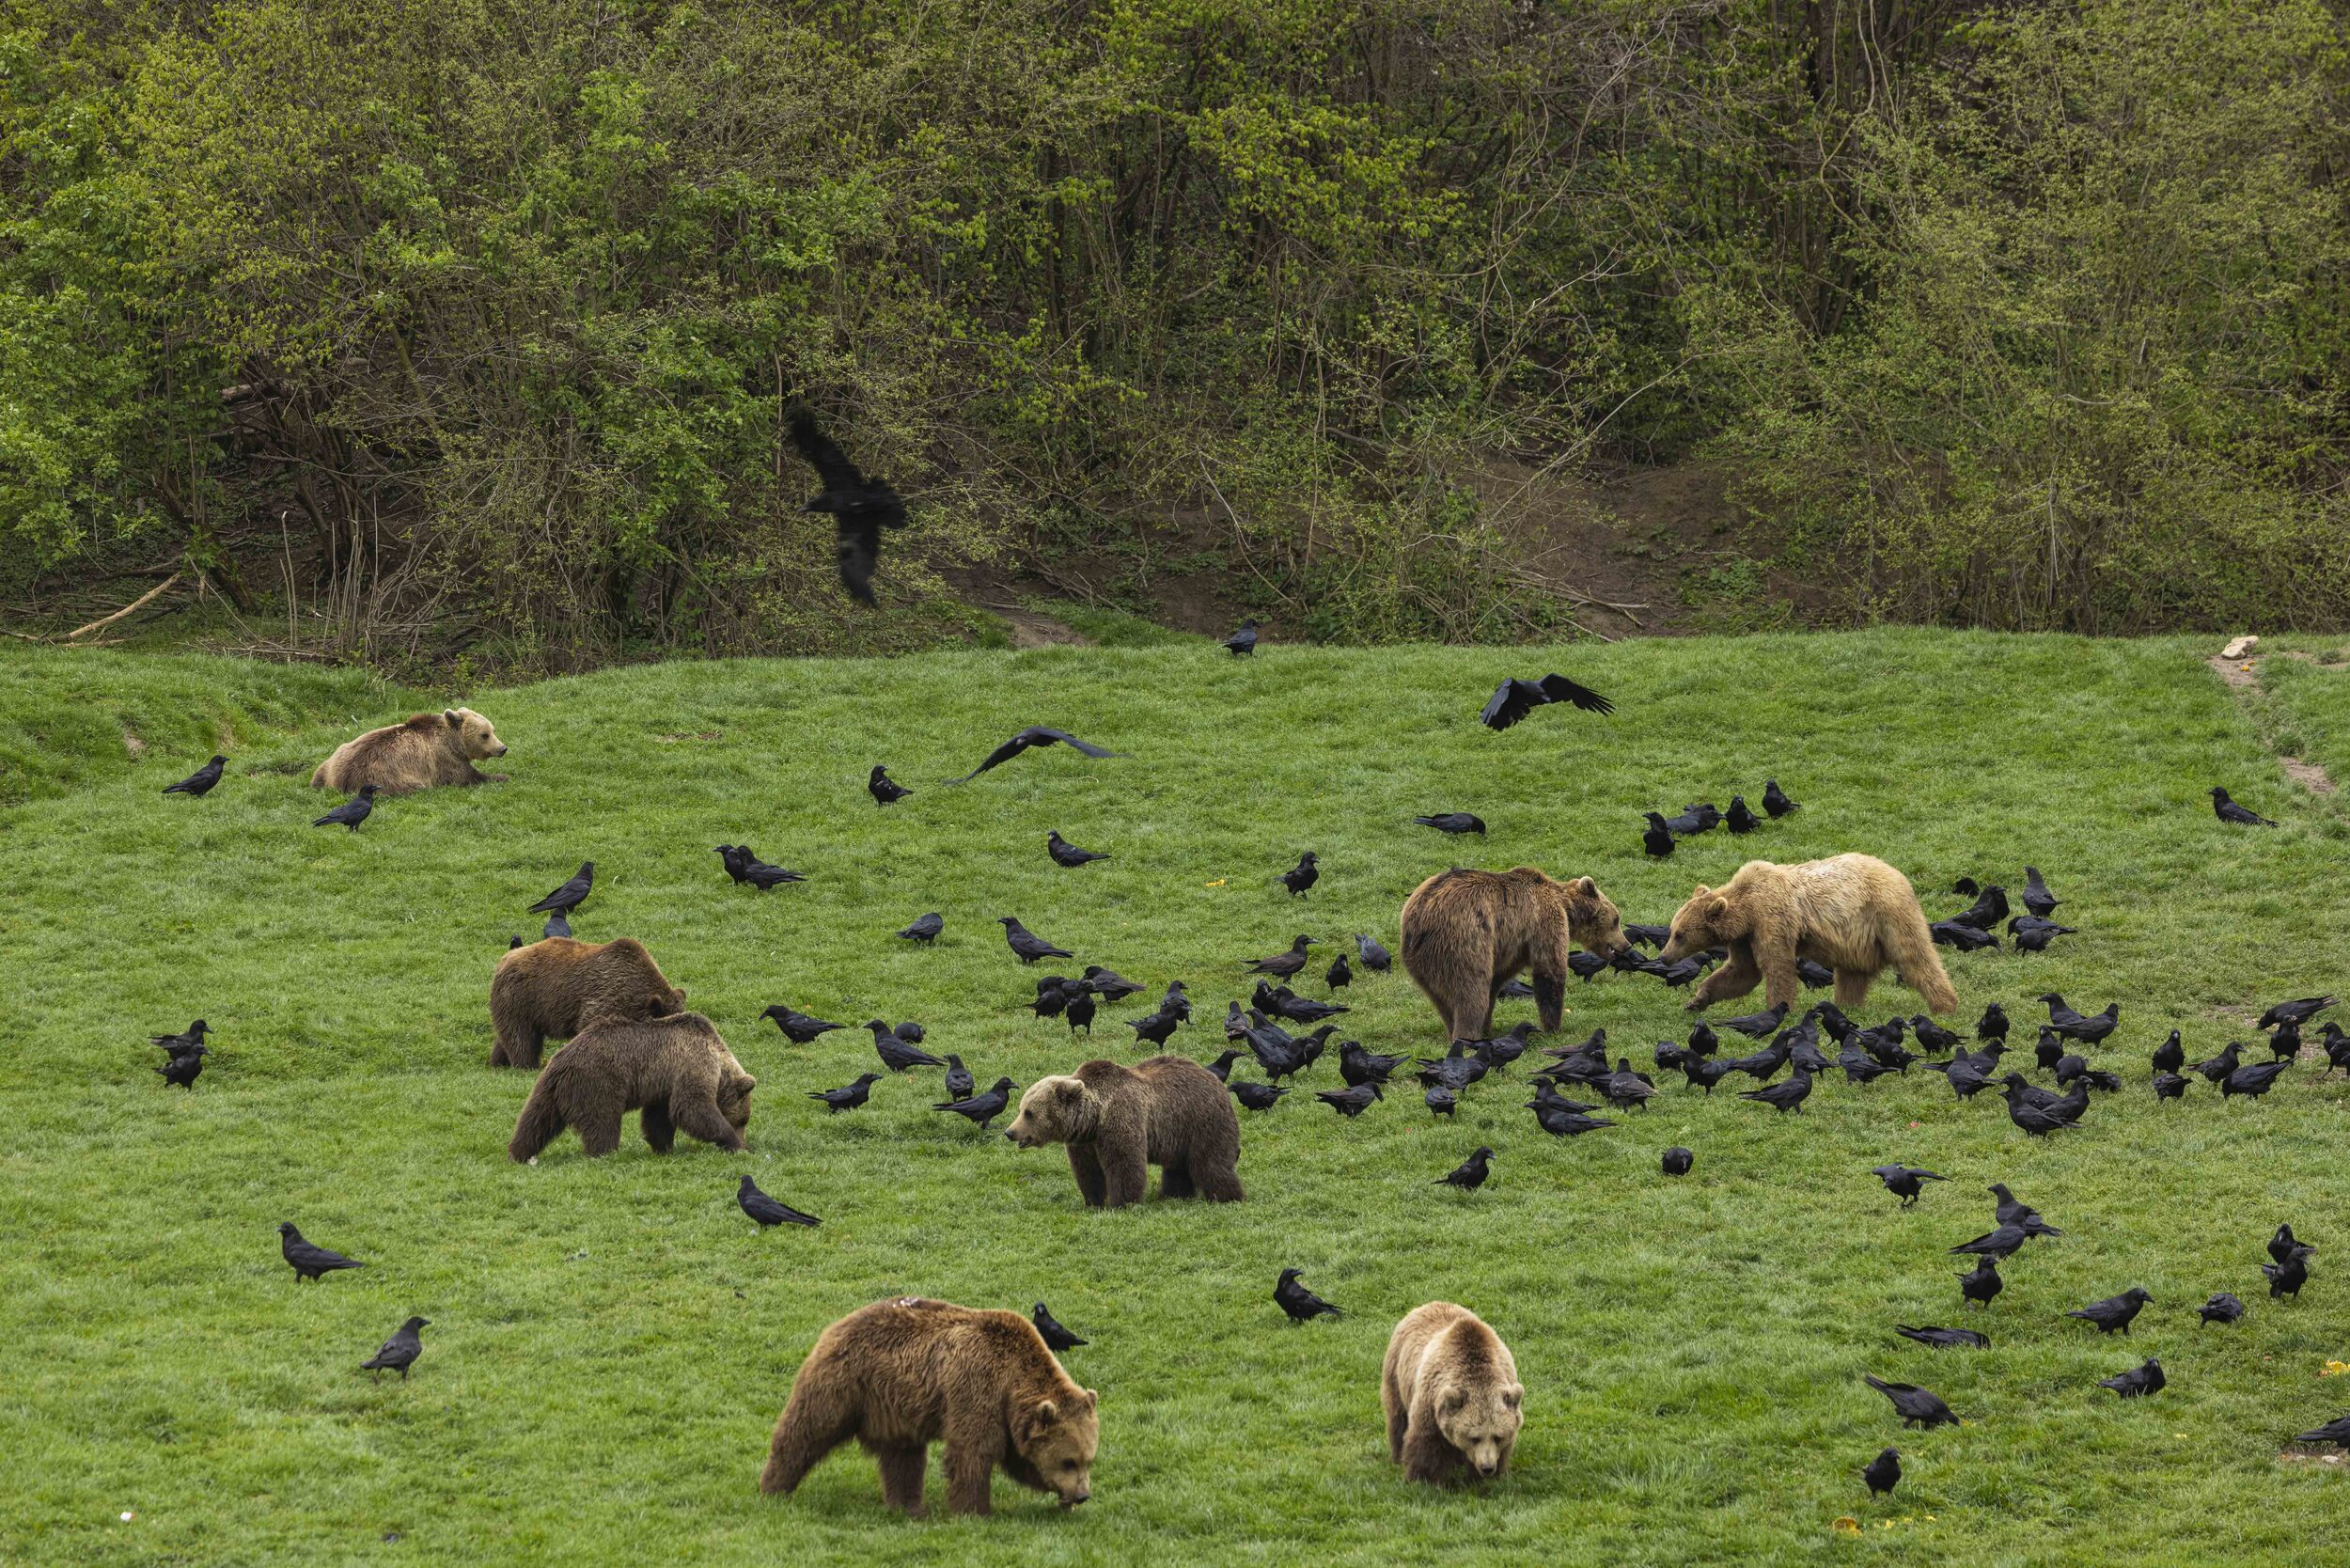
1846 1525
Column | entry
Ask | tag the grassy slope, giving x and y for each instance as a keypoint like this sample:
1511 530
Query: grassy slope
611 1343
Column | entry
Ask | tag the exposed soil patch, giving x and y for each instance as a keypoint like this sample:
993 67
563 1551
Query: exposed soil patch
2238 673
2307 774
2243 675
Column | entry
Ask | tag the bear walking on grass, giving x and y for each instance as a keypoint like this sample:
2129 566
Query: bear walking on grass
1451 1393
676 1070
1468 933
1118 1122
428 749
1853 913
900 1375
554 988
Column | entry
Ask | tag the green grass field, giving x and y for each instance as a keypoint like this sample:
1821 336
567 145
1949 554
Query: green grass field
611 1342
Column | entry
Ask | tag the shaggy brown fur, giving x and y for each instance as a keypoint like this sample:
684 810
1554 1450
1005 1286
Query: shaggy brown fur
900 1375
1468 933
1853 913
1118 1122
553 989
1451 1393
429 749
676 1070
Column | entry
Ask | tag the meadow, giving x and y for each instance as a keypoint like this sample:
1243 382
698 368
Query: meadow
610 1341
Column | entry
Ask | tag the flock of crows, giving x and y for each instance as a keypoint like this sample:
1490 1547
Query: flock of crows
1262 1030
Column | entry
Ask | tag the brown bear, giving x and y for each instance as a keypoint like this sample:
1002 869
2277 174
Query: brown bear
1118 1122
676 1070
554 988
1468 933
900 1375
1853 913
429 749
1451 1393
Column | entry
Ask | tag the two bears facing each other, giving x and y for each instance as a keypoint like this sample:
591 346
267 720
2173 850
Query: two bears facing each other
676 1071
900 1375
426 750
1853 913
1118 1121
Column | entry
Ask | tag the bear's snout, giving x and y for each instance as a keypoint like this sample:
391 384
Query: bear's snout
1069 1501
500 751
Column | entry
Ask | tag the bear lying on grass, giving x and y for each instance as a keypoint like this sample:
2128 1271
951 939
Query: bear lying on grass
1467 934
1118 1122
676 1070
1853 913
1451 1392
557 987
428 749
900 1375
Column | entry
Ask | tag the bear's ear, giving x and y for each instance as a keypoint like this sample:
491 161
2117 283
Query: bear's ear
455 719
1717 910
1699 892
1513 1394
1069 1091
678 991
1451 1403
1035 1421
1587 887
744 1082
1093 1399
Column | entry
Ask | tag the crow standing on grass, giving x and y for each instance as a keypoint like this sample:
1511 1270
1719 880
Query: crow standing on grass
1301 1304
1303 876
1375 958
2115 1311
849 1096
981 1110
570 895
798 1027
895 1053
2229 811
1026 944
352 812
1068 855
1883 1473
925 929
398 1353
1903 1181
1243 642
883 789
201 781
861 505
768 1211
1915 1406
185 1066
1453 822
310 1263
1470 1174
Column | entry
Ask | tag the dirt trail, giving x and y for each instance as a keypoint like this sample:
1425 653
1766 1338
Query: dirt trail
2242 675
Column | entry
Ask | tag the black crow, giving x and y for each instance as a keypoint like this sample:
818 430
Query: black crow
1057 1338
767 1210
1339 974
2170 1085
885 789
1515 698
895 1053
2137 1382
1243 642
1439 1100
310 1263
1471 1172
1993 1024
2036 895
1066 854
980 1109
556 926
2011 1209
1659 840
1945 1338
849 1096
2254 1080
2115 1311
1359 1066
1987 911
1453 822
1222 1066
199 782
2284 1244
1999 1242
2033 936
1883 1473
1375 958
862 505
398 1353
1035 735
1915 1406
1081 1008
1282 965
1754 1026
352 812
2299 1011
2223 1308
570 895
186 1040
1784 1097
960 1085
2218 1067
1350 1103
798 1027
1297 1301
2169 1056
185 1066
1774 800
2088 1028
2229 811
1967 939
2334 1431
1738 819
1155 1027
1257 1096
1904 1182
925 928
1303 876
1983 1283
1026 944
1678 1160
2286 1279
